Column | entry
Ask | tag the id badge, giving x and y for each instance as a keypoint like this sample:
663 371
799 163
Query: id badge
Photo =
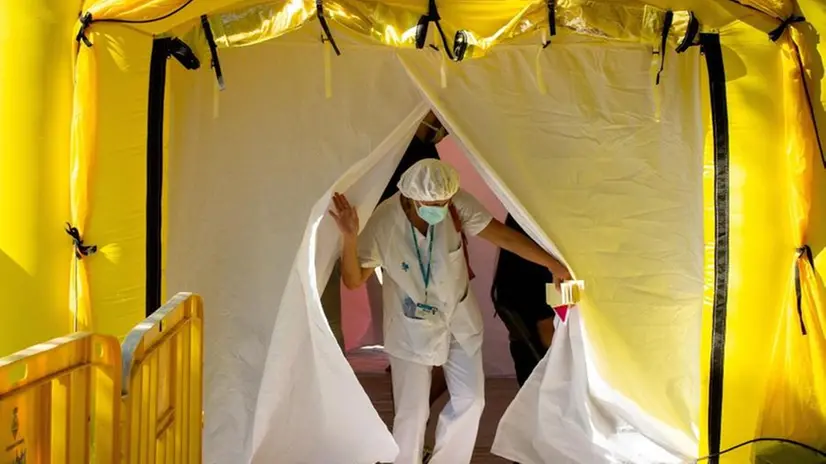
424 311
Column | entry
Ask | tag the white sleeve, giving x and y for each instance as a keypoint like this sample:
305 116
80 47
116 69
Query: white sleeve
368 249
473 215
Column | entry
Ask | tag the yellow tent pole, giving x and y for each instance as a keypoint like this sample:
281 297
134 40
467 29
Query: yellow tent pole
35 112
81 158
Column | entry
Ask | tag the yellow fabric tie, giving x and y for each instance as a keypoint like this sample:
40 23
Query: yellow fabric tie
216 99
328 71
540 77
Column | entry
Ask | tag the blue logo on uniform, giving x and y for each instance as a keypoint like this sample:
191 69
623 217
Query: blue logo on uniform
405 266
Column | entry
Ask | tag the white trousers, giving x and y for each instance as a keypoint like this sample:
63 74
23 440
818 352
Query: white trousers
458 421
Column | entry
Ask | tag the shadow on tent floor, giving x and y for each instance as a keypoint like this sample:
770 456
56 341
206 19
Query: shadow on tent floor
370 366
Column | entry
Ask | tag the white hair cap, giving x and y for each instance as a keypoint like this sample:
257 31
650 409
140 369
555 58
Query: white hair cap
429 180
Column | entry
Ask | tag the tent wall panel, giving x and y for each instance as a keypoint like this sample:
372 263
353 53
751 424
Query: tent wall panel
117 180
241 187
708 265
618 207
35 115
758 220
719 237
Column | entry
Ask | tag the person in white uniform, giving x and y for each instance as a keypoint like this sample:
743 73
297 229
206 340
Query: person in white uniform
431 317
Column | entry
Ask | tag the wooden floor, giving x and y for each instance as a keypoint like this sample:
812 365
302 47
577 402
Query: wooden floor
370 369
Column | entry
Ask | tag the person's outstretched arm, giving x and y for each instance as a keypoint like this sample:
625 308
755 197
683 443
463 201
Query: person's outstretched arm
522 246
347 219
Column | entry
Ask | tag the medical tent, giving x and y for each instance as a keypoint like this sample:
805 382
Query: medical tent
667 150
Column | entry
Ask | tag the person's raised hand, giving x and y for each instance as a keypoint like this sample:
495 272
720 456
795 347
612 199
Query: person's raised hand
561 275
345 215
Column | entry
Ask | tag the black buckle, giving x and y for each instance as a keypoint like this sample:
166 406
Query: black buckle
460 45
179 50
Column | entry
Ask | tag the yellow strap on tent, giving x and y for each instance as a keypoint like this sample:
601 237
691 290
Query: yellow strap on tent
443 70
443 64
540 78
656 88
328 71
216 100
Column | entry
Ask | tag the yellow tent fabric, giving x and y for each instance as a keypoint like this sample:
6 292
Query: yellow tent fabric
35 112
761 377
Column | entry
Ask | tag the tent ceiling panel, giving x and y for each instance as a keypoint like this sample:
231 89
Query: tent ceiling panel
485 23
393 26
397 26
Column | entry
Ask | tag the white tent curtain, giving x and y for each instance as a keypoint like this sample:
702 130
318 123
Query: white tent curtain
608 166
244 189
594 165
335 406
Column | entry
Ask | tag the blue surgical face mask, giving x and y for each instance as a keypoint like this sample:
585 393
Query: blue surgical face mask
432 214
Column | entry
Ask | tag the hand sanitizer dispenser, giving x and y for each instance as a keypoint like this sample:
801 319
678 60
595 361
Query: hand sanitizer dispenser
570 294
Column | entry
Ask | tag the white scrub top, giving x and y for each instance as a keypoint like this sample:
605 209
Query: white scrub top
387 241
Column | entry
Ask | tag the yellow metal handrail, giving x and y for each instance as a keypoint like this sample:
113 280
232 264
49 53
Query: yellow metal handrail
162 385
59 401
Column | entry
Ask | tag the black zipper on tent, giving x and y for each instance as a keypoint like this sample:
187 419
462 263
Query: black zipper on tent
154 173
710 44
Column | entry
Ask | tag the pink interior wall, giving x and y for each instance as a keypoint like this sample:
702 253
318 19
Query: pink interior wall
356 320
358 323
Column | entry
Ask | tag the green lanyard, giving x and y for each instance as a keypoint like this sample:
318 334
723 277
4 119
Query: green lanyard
425 272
